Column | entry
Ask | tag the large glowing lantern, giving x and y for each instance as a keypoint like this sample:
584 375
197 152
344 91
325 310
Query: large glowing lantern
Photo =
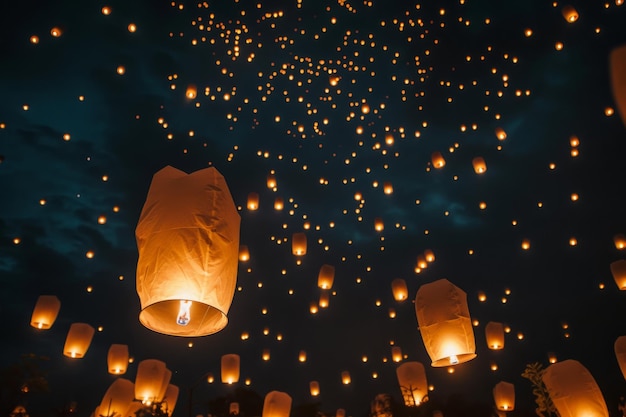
298 243
494 333
437 159
117 359
117 398
504 396
188 240
230 368
276 404
618 269
573 390
45 312
620 353
617 65
620 241
169 399
444 323
192 92
412 381
151 381
399 289
569 13
480 167
78 340
326 277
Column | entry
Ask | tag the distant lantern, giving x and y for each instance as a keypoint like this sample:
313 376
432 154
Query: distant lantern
169 399
244 253
387 188
271 181
620 353
573 390
379 225
429 255
412 381
45 312
279 203
326 277
479 165
230 368
618 269
494 333
617 65
276 404
444 323
117 359
500 133
569 13
345 378
620 241
314 388
437 159
341 412
324 300
233 409
117 398
504 396
253 201
151 381
185 287
191 92
302 356
78 340
396 353
298 243
399 289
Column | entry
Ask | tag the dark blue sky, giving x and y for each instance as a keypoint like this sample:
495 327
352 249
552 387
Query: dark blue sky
428 77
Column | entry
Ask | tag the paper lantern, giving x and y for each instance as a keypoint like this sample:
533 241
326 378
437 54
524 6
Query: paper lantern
302 356
271 181
230 368
341 412
233 409
244 253
412 381
620 241
192 92
279 203
569 13
437 159
479 165
573 390
388 188
314 387
151 381
188 240
326 277
504 396
265 355
78 340
618 269
117 359
298 244
500 133
276 404
169 399
345 378
253 201
399 289
617 65
620 353
396 354
494 333
429 255
45 312
444 323
324 300
117 398
379 225
132 410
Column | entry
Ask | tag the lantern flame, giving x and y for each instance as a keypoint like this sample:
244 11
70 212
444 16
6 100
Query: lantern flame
184 314
454 360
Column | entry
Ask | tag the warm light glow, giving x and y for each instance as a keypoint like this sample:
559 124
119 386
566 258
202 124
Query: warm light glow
184 313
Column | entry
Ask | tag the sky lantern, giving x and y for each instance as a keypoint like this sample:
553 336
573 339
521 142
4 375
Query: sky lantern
271 181
444 323
618 269
185 287
620 241
78 340
276 404
341 412
324 300
244 253
152 376
298 243
253 201
230 368
45 312
573 390
396 354
388 188
494 333
412 381
500 133
302 356
480 167
279 203
345 378
314 387
117 359
569 13
504 396
379 225
169 399
620 353
117 398
326 277
191 92
437 159
617 65
399 289
429 255
233 409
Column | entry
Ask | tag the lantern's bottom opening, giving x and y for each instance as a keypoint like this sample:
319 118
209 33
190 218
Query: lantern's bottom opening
163 317
460 358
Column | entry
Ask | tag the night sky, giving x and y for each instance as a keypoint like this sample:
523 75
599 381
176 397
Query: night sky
333 99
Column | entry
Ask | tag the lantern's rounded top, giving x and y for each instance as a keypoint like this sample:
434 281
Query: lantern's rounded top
162 317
